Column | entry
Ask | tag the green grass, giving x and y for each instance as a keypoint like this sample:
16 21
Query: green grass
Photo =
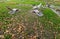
7 36
50 21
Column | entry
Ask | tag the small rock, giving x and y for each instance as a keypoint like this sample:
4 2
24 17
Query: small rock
38 6
39 14
13 11
35 11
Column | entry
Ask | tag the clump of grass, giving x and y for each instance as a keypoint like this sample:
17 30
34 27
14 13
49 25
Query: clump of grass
4 28
7 36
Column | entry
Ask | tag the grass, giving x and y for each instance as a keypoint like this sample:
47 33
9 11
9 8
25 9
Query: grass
26 24
7 36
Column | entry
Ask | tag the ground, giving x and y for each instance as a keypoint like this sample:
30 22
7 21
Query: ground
27 25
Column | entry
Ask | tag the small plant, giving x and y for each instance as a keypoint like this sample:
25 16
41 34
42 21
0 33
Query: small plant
7 36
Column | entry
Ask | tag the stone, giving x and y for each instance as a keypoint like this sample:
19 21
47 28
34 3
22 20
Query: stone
13 11
35 11
52 6
38 6
39 14
35 7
